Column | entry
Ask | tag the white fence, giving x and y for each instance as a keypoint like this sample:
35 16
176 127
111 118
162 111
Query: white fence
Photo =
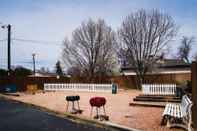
159 89
78 87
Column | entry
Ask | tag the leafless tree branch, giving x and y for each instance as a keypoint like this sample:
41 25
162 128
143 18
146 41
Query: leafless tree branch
91 48
143 35
185 48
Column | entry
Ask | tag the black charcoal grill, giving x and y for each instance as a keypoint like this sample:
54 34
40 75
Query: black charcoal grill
73 99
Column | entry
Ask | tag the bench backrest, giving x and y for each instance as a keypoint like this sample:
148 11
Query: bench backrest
186 105
159 89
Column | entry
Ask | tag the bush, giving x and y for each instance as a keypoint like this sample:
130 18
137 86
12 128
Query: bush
21 71
3 72
189 87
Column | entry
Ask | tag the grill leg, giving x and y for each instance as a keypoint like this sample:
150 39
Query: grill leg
67 106
96 111
91 111
73 106
78 105
104 110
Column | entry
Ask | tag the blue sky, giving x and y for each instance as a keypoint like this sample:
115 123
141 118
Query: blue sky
51 21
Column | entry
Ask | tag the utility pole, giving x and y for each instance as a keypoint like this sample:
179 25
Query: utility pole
9 48
34 64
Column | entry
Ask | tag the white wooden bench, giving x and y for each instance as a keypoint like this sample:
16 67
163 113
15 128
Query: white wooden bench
159 89
178 115
78 87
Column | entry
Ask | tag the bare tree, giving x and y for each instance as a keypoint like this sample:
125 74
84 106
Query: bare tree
185 48
143 35
91 48
73 71
43 70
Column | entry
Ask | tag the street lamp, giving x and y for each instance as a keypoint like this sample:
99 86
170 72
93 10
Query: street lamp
9 45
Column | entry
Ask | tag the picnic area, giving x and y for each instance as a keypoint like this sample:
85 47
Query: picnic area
117 107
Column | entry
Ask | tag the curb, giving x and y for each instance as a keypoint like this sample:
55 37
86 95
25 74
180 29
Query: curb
125 128
76 119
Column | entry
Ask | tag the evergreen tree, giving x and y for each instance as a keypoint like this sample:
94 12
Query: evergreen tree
59 68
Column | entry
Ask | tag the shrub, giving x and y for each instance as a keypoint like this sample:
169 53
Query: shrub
3 72
21 71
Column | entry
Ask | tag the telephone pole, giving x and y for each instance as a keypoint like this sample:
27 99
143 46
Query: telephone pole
34 64
9 48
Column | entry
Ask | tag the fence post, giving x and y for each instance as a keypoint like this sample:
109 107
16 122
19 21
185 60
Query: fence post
194 94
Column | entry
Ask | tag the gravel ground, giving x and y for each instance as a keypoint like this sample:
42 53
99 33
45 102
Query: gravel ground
117 107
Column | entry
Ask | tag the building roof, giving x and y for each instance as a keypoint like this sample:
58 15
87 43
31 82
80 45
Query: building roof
164 66
171 63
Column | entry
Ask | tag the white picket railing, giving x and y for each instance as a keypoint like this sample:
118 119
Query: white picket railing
159 89
78 87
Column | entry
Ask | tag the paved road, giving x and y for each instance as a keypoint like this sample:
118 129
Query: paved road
19 117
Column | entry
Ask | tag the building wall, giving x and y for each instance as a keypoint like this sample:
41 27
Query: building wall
183 77
22 82
130 81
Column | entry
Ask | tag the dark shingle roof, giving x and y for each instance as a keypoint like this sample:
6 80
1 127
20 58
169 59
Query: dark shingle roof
164 63
171 63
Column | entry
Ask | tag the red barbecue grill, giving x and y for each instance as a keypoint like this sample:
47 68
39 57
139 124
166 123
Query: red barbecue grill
98 102
73 99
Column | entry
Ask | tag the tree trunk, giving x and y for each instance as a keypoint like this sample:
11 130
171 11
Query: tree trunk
140 80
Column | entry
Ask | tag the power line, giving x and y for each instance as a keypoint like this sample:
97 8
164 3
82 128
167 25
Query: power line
38 41
2 40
